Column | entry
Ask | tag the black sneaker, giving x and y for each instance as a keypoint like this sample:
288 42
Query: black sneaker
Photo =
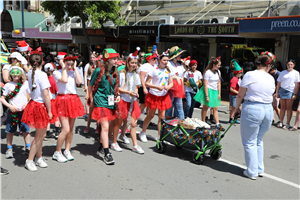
212 119
4 171
49 137
207 121
108 159
220 127
57 132
100 151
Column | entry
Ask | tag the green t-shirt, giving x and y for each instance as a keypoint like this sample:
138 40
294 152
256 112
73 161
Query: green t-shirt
104 89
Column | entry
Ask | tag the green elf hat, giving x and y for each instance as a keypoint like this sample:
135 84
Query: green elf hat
109 53
237 68
148 57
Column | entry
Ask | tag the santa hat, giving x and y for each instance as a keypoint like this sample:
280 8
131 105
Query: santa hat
49 67
135 54
237 68
61 55
22 45
109 53
193 62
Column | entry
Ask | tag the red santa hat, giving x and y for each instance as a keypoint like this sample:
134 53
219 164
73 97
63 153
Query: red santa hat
61 55
22 45
135 54
49 67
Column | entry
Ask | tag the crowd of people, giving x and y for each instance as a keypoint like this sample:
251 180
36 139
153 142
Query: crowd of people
38 93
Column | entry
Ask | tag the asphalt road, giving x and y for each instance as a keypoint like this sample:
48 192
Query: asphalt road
154 176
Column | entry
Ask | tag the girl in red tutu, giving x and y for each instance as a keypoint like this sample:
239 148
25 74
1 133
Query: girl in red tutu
129 107
104 96
67 104
159 81
37 113
49 68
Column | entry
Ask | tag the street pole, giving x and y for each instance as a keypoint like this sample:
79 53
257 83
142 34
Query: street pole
23 29
269 11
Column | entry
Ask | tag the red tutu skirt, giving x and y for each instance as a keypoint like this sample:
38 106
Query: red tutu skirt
103 114
53 109
158 102
36 115
69 105
177 90
125 106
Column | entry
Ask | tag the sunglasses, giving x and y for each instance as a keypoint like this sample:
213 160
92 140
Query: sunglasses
15 73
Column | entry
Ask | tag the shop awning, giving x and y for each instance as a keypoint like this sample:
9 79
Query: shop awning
30 19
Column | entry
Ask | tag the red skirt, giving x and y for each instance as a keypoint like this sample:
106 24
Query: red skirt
125 106
69 105
158 102
103 114
53 109
177 90
36 115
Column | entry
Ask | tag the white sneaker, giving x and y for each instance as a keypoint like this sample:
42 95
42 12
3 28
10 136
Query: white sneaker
124 139
41 162
143 137
68 155
247 175
59 157
9 153
29 164
115 147
138 149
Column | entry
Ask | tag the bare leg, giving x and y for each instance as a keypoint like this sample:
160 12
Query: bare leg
204 112
26 137
37 143
289 111
116 126
216 114
70 134
297 117
65 129
90 117
9 138
161 115
283 109
148 119
104 133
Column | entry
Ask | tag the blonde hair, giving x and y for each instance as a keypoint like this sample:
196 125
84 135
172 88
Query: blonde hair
23 77
125 70
91 70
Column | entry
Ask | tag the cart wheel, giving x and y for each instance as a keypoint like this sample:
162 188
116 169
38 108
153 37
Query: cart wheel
198 161
162 147
178 146
216 155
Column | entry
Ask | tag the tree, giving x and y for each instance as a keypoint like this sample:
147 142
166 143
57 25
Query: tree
99 12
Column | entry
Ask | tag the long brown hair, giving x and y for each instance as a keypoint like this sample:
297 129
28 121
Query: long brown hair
91 69
35 61
160 57
125 70
213 61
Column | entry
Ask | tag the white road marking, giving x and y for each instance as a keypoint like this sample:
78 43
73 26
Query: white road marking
265 175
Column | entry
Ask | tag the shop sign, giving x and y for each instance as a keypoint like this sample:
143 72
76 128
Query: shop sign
138 30
224 29
90 32
280 24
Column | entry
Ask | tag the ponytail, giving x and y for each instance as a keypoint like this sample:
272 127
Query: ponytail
35 61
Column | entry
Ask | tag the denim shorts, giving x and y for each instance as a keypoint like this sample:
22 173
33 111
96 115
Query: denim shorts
22 126
232 99
285 94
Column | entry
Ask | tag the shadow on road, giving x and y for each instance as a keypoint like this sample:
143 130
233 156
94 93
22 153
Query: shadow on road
187 155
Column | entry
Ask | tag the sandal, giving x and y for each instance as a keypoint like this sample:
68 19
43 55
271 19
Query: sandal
279 124
287 126
292 129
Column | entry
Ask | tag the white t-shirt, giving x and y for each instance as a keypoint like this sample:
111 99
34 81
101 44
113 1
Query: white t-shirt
196 75
288 80
260 86
21 98
145 68
177 71
213 79
159 77
6 67
86 69
42 82
123 85
65 88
